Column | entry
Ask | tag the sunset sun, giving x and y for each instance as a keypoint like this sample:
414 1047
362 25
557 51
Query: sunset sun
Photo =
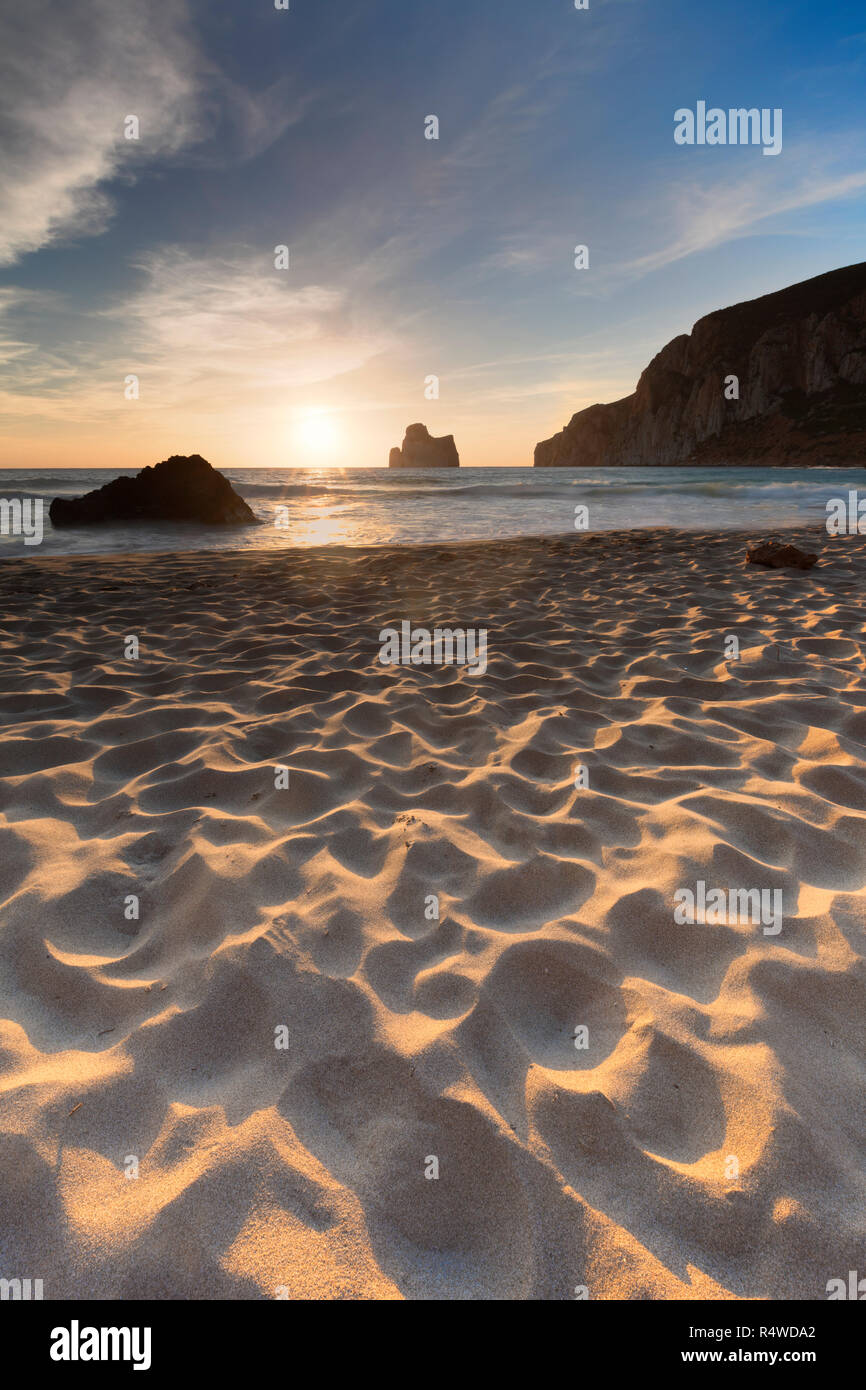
316 433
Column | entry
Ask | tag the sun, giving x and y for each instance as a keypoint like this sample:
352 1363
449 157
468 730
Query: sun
316 433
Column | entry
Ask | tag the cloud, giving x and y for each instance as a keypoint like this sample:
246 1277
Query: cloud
232 326
505 123
205 334
693 216
533 252
13 349
37 380
69 75
704 217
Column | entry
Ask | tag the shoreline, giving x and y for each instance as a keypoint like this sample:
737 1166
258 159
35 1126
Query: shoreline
815 532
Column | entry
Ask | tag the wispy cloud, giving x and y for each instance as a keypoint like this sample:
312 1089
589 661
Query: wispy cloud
69 75
532 252
705 216
203 334
15 350
216 327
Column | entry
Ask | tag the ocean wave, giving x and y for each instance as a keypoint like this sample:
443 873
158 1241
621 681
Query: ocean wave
401 491
8 494
73 480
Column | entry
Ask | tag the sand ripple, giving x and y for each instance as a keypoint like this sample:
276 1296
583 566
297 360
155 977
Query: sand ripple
707 1142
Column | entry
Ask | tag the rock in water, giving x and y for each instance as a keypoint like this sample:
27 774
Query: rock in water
178 489
777 380
778 557
421 450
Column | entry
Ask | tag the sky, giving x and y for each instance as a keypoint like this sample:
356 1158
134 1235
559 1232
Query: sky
142 309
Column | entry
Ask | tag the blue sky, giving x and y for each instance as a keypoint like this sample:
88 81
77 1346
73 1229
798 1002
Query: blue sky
408 257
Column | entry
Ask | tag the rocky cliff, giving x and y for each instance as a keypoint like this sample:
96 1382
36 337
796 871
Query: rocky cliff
421 450
799 357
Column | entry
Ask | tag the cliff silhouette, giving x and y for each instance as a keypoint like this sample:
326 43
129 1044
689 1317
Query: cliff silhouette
799 356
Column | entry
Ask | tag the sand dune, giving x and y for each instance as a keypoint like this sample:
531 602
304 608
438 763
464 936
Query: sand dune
708 1142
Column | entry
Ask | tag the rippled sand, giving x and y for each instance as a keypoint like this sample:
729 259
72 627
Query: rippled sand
708 1142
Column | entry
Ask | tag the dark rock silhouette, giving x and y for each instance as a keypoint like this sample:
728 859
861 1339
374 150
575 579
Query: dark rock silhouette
179 489
421 450
778 557
800 359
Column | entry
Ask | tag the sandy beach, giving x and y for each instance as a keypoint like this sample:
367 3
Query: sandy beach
321 978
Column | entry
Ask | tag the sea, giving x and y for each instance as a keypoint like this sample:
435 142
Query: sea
378 506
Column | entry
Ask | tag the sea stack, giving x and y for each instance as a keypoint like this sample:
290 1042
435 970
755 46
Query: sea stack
421 450
776 380
181 488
